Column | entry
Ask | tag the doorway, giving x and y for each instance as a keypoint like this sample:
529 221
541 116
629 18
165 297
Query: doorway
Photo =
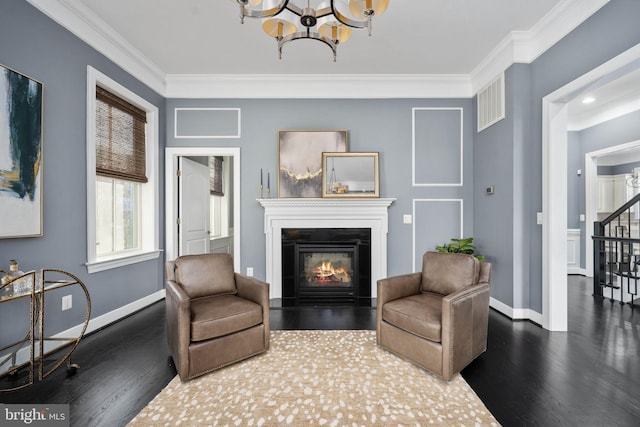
554 185
176 202
205 205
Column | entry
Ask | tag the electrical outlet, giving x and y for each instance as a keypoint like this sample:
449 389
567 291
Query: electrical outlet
67 302
250 271
407 219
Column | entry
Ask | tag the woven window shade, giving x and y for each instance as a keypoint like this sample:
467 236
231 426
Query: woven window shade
215 176
120 138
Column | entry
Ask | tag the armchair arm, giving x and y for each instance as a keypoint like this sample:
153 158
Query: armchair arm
465 319
393 288
178 320
257 291
398 287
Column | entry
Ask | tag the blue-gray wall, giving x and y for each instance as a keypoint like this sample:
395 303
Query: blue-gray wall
618 169
34 45
500 160
382 125
607 33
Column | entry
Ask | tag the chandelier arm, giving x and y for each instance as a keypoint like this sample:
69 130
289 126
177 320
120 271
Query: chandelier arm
325 11
312 36
294 9
268 13
353 23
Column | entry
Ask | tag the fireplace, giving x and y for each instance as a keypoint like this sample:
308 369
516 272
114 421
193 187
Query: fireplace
282 214
330 266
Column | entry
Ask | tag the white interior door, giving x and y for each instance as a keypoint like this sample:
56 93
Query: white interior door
193 210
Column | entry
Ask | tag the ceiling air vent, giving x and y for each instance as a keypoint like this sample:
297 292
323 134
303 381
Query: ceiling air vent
491 103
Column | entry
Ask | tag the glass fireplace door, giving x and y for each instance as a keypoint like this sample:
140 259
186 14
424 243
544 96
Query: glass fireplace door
327 270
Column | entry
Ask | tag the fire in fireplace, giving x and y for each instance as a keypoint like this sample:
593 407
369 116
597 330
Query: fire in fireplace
330 266
327 269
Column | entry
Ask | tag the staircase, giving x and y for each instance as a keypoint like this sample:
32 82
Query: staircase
616 252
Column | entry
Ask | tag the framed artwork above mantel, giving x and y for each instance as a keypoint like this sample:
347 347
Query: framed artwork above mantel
350 175
300 160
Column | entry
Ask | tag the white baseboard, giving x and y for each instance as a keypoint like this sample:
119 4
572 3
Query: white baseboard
113 316
584 272
23 355
516 313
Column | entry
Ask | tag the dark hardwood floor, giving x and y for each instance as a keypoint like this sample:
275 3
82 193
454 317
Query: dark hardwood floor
588 376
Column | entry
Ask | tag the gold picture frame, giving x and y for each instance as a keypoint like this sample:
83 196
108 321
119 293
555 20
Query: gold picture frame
300 160
351 174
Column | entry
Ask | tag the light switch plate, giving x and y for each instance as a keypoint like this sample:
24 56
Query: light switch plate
539 218
407 219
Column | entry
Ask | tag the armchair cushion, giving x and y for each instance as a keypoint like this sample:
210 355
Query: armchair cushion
204 275
213 317
419 314
445 273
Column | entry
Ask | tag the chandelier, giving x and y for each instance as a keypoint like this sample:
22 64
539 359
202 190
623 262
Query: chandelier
329 22
634 180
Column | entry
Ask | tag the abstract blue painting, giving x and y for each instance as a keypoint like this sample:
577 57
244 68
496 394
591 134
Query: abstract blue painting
20 155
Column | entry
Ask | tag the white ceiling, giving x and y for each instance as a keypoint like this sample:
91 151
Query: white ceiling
411 37
419 48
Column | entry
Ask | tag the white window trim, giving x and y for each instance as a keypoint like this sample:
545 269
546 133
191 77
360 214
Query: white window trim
150 193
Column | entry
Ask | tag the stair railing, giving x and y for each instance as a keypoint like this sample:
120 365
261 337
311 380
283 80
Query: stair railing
616 254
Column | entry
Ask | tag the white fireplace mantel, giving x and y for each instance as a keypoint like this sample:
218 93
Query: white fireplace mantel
325 213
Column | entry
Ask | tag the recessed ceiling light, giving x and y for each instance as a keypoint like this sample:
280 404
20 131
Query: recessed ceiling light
588 100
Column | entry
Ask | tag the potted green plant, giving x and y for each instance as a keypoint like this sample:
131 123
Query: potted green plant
460 246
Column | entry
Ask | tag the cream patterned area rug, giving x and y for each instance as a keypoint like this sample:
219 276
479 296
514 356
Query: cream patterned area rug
319 378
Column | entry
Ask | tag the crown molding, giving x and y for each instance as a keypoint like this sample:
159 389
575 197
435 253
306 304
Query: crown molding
526 46
317 86
90 28
517 47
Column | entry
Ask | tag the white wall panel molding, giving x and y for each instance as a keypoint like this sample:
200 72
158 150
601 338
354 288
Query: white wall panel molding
459 182
181 113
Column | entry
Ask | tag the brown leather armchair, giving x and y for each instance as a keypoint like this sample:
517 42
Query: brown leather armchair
215 317
438 318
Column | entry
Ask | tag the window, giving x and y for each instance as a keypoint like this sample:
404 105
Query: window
215 176
117 216
122 190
